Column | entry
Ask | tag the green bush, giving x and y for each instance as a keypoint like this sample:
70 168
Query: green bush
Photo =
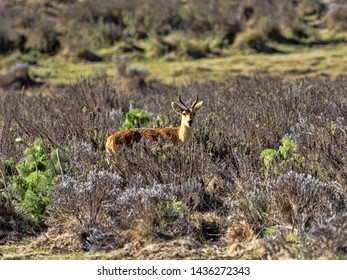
275 161
31 187
136 118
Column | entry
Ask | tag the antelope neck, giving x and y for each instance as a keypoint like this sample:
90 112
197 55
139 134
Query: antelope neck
185 133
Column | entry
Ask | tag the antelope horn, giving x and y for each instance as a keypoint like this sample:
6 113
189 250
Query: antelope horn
184 105
196 101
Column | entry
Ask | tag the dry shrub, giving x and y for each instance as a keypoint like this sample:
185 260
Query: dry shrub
129 77
78 200
294 216
310 7
77 49
328 237
156 210
256 39
251 205
299 200
327 142
30 14
163 164
250 39
8 39
101 205
208 226
117 21
14 226
271 17
325 240
109 11
336 17
239 232
59 239
310 218
44 38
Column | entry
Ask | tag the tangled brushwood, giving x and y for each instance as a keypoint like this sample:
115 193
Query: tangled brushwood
264 176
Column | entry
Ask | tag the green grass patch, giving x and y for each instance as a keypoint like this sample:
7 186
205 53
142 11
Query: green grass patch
293 61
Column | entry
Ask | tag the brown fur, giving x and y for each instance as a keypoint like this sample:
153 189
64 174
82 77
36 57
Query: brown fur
134 135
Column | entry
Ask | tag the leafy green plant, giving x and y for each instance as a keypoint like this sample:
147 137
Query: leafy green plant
162 121
333 128
270 231
288 148
32 185
176 207
172 211
292 238
136 118
275 161
268 156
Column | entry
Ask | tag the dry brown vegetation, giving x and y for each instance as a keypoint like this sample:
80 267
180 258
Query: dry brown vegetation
220 189
74 30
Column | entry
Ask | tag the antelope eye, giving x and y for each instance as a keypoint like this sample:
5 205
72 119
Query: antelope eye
183 113
193 114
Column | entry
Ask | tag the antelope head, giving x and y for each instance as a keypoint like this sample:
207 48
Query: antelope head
187 113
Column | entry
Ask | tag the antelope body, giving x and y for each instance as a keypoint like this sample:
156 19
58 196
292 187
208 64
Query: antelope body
176 135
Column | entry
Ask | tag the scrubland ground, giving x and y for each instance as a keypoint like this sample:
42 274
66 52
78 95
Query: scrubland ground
264 176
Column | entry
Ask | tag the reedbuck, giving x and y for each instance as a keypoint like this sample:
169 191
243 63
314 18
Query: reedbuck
176 135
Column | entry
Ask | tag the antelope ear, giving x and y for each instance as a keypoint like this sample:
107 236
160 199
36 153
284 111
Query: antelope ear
198 106
177 108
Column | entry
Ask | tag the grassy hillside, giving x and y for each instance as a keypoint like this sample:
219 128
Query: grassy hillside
189 39
298 61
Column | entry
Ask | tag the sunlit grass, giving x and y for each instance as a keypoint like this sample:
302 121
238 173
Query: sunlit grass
293 62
